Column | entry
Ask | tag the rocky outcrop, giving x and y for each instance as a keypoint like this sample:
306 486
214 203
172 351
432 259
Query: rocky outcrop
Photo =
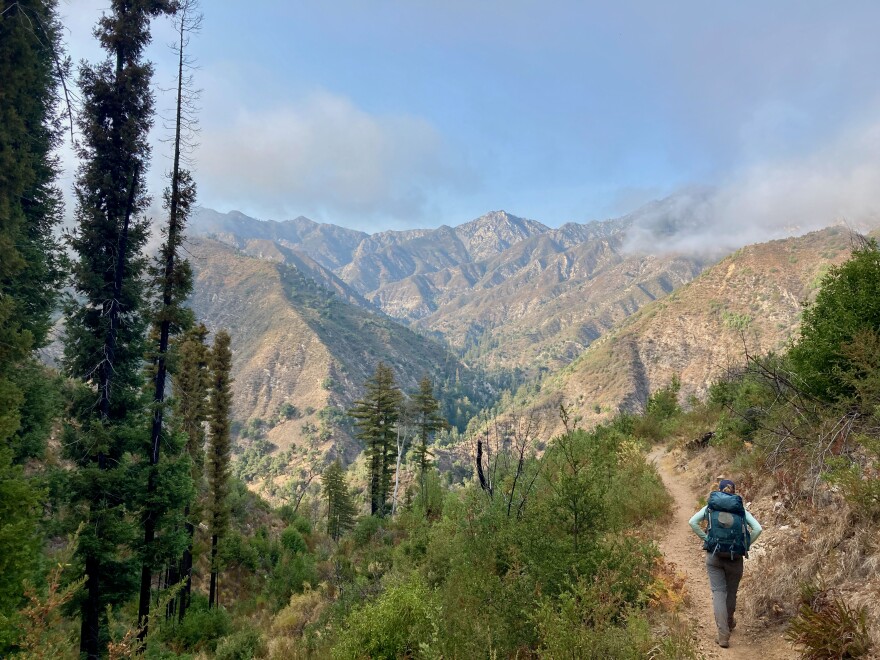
749 302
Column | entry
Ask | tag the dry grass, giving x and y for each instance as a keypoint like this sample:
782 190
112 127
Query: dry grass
827 627
820 545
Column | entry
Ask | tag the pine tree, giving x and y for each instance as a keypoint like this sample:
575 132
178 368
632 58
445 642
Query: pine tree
172 277
376 416
218 451
106 322
341 510
191 382
31 261
30 275
427 421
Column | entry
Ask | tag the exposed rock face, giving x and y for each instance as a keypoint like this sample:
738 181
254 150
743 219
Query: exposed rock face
750 301
512 291
493 233
329 245
299 340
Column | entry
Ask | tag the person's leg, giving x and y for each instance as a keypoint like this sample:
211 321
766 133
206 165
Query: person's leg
718 582
734 571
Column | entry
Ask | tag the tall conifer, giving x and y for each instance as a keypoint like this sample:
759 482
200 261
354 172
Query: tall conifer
30 274
376 418
340 506
172 277
106 322
428 421
30 205
191 383
218 451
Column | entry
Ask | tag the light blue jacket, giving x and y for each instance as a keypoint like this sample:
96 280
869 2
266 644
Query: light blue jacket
754 528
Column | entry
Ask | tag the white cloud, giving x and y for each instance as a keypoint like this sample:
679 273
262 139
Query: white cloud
838 183
325 156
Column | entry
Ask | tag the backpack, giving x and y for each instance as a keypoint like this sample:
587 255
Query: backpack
727 531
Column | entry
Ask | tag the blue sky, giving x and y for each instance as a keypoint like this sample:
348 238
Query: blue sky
405 113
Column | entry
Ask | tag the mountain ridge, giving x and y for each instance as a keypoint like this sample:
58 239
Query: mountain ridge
749 302
449 280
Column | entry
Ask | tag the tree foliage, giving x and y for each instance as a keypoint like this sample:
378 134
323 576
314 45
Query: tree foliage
219 450
847 303
341 510
31 269
376 418
30 206
172 282
106 322
428 421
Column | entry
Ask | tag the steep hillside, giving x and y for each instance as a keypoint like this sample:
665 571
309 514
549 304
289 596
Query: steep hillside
272 251
329 245
511 292
750 301
370 271
299 343
538 306
414 278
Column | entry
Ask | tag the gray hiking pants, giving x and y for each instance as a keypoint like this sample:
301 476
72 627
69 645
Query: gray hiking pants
724 577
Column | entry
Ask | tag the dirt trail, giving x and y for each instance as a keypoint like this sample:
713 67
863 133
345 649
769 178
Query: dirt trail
682 548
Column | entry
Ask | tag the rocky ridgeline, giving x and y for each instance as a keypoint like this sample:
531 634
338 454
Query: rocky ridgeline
510 291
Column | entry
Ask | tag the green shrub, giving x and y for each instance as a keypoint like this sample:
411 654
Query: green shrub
591 621
636 493
289 411
403 622
292 541
290 576
200 630
287 514
236 550
849 302
628 564
365 530
244 645
663 404
302 525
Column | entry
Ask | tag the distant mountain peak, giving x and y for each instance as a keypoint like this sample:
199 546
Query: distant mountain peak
494 232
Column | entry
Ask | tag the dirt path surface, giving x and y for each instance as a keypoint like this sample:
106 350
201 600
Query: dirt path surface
683 550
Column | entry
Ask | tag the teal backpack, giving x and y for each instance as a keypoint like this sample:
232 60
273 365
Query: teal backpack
727 531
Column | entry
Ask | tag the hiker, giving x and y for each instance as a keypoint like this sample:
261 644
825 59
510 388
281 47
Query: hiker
729 533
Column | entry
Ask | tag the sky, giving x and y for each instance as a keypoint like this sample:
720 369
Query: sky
395 114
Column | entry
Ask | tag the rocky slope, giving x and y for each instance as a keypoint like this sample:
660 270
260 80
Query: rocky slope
540 306
751 301
301 342
603 324
511 292
329 245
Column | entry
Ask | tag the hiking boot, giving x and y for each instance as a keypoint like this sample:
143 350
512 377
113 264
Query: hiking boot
722 641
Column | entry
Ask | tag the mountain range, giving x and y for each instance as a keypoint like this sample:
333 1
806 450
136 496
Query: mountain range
507 291
489 305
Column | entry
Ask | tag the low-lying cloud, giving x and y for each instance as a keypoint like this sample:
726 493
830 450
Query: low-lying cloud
839 183
326 157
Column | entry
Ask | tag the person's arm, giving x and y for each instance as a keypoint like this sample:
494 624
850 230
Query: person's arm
754 527
694 522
